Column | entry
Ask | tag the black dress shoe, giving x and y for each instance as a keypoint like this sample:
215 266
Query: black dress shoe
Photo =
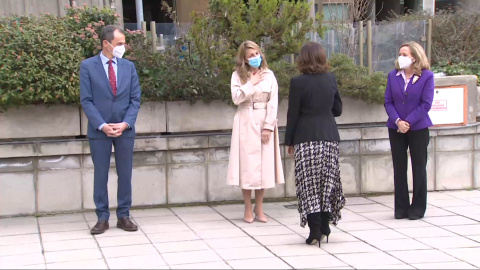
126 224
414 217
399 216
100 227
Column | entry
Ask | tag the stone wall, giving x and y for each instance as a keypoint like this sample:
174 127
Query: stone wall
57 176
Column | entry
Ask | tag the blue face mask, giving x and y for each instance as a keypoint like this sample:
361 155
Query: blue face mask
255 62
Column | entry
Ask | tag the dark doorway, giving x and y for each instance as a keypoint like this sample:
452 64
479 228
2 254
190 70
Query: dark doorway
152 11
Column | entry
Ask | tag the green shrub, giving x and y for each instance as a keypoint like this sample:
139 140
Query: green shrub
356 82
40 56
450 69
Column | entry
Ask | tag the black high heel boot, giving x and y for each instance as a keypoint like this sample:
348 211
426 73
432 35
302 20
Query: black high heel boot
325 226
314 223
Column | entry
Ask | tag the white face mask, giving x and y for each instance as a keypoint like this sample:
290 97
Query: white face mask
404 62
118 51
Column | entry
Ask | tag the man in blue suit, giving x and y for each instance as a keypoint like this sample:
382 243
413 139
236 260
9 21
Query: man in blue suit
110 97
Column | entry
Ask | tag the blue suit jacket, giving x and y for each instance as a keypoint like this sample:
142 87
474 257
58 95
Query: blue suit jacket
98 101
411 105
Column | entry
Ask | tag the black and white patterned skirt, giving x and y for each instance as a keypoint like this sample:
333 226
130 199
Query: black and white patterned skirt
317 179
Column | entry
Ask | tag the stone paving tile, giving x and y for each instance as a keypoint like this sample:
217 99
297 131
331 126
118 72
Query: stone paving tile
375 216
70 244
122 240
201 217
449 221
232 242
272 240
20 249
208 265
437 212
209 225
448 242
296 250
72 255
63 227
68 235
221 233
425 232
157 212
261 263
398 244
172 236
153 261
360 226
165 228
181 246
359 200
244 253
88 264
192 210
450 203
216 237
141 221
404 223
348 247
189 257
367 208
19 239
61 219
388 266
382 234
464 229
422 256
270 230
10 230
314 261
367 260
128 251
447 265
20 261
469 255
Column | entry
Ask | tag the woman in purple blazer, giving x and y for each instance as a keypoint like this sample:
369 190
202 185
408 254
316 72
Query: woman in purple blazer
408 98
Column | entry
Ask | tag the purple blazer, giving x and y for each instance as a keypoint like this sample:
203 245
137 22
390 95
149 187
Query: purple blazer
411 105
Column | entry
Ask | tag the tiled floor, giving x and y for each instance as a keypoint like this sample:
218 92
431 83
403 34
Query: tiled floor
215 237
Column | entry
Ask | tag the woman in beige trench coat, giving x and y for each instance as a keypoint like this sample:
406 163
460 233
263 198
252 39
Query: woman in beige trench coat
255 162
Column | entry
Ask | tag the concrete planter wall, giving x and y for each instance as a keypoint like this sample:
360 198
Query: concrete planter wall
34 121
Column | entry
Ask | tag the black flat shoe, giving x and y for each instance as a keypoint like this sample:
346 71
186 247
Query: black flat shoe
414 217
398 216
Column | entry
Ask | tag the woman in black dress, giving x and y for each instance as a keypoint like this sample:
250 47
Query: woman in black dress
312 138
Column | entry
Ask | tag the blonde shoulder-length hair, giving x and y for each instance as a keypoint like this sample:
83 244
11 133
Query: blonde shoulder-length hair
241 66
421 60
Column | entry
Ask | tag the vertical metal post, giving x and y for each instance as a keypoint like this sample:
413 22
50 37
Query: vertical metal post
144 32
139 9
312 16
429 39
360 42
153 30
369 46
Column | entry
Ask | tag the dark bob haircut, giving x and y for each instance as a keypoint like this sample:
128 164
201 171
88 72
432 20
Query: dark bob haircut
312 59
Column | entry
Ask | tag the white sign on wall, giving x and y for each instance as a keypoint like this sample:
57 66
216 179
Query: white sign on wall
449 106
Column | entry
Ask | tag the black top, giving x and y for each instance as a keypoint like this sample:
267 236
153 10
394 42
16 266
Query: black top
313 103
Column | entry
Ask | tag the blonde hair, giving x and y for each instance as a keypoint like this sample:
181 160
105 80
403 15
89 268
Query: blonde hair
421 60
241 66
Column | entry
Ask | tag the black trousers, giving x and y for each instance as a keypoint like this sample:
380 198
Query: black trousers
417 141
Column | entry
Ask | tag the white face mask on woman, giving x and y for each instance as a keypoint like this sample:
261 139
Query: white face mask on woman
404 62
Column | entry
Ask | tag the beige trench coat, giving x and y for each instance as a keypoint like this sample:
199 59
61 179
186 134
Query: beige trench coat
254 165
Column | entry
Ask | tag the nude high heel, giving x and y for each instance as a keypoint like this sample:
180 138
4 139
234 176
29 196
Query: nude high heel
263 220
